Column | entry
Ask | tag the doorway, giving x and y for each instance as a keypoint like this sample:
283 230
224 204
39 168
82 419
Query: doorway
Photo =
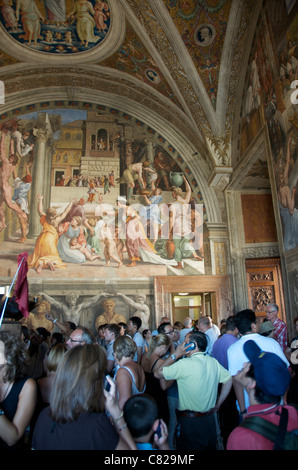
193 305
211 295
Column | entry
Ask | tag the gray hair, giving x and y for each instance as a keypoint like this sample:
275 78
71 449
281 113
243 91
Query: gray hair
273 305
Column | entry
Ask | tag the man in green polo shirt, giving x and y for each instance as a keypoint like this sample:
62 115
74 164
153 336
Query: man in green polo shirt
197 376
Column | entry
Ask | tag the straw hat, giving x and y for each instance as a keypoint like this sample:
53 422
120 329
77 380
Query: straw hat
266 327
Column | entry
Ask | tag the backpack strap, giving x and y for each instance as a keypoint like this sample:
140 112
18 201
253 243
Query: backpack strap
261 426
269 430
282 429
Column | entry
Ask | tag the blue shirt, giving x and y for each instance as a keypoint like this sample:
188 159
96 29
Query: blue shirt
221 346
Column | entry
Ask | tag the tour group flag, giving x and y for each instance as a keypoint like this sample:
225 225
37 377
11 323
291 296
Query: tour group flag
21 289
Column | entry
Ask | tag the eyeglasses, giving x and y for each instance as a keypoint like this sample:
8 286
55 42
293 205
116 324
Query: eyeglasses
75 340
169 332
271 311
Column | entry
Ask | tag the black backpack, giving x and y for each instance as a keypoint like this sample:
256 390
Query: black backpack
283 439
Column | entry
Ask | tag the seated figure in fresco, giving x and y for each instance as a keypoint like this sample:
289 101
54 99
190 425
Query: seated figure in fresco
68 231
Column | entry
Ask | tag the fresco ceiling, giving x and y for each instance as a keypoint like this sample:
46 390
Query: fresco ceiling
181 57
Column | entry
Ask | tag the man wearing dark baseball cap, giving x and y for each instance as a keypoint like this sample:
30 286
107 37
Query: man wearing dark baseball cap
270 372
266 379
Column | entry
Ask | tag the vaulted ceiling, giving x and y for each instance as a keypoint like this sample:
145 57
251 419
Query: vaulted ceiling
177 65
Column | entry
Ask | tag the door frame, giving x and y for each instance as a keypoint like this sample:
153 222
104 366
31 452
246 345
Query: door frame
165 286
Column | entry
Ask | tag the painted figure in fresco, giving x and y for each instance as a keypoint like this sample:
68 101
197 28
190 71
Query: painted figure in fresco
56 11
78 210
111 178
142 310
75 245
110 250
133 172
9 15
286 198
91 191
253 97
45 253
93 242
210 70
7 168
162 167
84 12
22 142
21 189
109 315
196 220
30 17
66 232
137 244
99 15
70 309
150 214
151 177
180 225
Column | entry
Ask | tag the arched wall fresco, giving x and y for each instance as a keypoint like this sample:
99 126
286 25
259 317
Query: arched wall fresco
84 154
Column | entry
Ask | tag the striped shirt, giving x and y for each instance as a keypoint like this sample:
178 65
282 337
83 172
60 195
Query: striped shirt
280 333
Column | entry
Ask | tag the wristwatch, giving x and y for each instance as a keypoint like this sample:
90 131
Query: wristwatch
173 356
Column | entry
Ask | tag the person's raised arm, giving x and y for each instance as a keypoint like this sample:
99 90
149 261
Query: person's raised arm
188 191
63 214
177 354
40 204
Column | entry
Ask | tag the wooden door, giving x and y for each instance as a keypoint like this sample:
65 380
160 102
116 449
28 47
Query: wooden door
264 284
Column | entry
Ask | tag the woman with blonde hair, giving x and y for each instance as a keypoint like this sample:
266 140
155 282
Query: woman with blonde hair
160 346
129 377
76 418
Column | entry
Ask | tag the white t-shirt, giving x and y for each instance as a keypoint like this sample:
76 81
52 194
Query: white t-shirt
212 337
237 357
